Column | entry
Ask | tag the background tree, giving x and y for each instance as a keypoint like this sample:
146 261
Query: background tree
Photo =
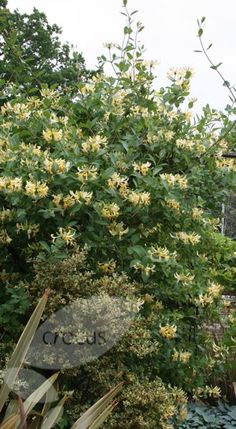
31 53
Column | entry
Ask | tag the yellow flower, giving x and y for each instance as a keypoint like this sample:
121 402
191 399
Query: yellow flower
168 331
52 134
140 110
116 181
117 102
30 188
62 165
31 228
202 256
139 198
68 201
188 116
175 356
192 238
169 135
178 75
123 189
86 173
197 213
143 168
226 164
117 229
161 253
214 392
42 190
186 279
84 196
79 132
199 149
231 318
57 200
185 144
184 357
66 234
227 303
93 144
204 300
49 93
4 237
133 197
3 182
108 267
36 189
5 214
15 184
175 179
215 289
146 269
168 412
183 412
173 204
110 211
48 164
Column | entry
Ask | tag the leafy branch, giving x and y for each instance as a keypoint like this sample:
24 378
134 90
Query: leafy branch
215 67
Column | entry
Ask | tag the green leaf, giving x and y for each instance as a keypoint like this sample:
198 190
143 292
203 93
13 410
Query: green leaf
95 415
215 67
200 32
51 396
54 414
138 250
21 349
37 395
127 30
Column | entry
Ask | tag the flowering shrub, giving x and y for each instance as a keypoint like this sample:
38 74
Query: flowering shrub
119 189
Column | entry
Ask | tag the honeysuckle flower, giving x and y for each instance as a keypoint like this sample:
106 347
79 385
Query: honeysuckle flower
146 269
117 229
83 196
203 300
182 356
86 173
186 238
215 289
185 278
168 331
30 228
139 198
66 234
161 253
93 144
4 237
51 134
142 168
116 181
173 204
110 211
175 180
108 267
15 184
36 189
197 213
